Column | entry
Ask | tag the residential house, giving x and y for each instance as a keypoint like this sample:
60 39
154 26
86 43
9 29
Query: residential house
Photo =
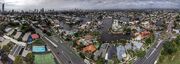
128 46
16 51
26 36
10 32
16 21
35 22
8 29
176 31
5 42
87 61
97 53
89 49
141 35
103 49
144 34
86 40
18 34
136 45
121 52
1 39
111 51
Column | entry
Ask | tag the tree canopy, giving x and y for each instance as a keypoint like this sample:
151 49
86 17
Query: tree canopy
29 58
18 60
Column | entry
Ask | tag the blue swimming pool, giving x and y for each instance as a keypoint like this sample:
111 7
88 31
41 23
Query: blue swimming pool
38 49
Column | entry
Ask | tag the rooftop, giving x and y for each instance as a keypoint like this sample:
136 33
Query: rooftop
35 36
89 49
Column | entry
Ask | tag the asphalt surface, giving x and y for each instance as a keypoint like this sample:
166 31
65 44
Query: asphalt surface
62 53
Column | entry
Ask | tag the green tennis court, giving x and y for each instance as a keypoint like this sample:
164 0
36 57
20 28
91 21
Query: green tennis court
44 59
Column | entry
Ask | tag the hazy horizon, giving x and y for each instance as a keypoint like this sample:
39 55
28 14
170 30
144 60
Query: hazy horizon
89 4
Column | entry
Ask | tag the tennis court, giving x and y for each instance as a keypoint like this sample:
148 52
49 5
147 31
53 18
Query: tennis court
44 59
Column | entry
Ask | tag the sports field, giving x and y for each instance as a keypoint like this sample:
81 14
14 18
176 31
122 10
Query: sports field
44 59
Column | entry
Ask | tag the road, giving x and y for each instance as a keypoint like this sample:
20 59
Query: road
62 53
153 53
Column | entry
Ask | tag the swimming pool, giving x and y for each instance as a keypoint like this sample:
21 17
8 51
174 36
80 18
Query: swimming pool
38 49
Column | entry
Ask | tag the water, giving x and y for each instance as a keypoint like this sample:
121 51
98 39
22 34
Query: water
38 49
106 36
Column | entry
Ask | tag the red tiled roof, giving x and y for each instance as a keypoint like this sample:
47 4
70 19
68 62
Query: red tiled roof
145 33
35 36
89 49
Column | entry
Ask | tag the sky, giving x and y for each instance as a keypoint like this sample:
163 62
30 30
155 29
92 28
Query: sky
89 4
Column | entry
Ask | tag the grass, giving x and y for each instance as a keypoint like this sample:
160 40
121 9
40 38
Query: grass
44 59
38 42
170 59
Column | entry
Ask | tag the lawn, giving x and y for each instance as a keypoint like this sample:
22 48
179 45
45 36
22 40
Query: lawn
38 42
44 59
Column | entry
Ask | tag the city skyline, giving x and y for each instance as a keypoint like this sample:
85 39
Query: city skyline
85 4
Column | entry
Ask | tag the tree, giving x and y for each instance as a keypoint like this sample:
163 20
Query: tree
96 33
123 41
100 61
169 48
38 42
177 40
127 29
140 53
13 24
4 58
29 58
82 55
148 41
6 48
18 60
48 33
115 59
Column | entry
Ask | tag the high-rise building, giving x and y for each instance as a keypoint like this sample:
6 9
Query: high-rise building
3 6
42 10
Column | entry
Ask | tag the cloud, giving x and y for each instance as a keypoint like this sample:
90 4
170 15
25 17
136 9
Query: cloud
91 4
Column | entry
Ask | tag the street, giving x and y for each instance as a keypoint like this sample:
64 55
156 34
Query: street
153 53
62 53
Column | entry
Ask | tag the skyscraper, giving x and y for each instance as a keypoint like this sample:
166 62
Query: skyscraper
42 10
3 7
